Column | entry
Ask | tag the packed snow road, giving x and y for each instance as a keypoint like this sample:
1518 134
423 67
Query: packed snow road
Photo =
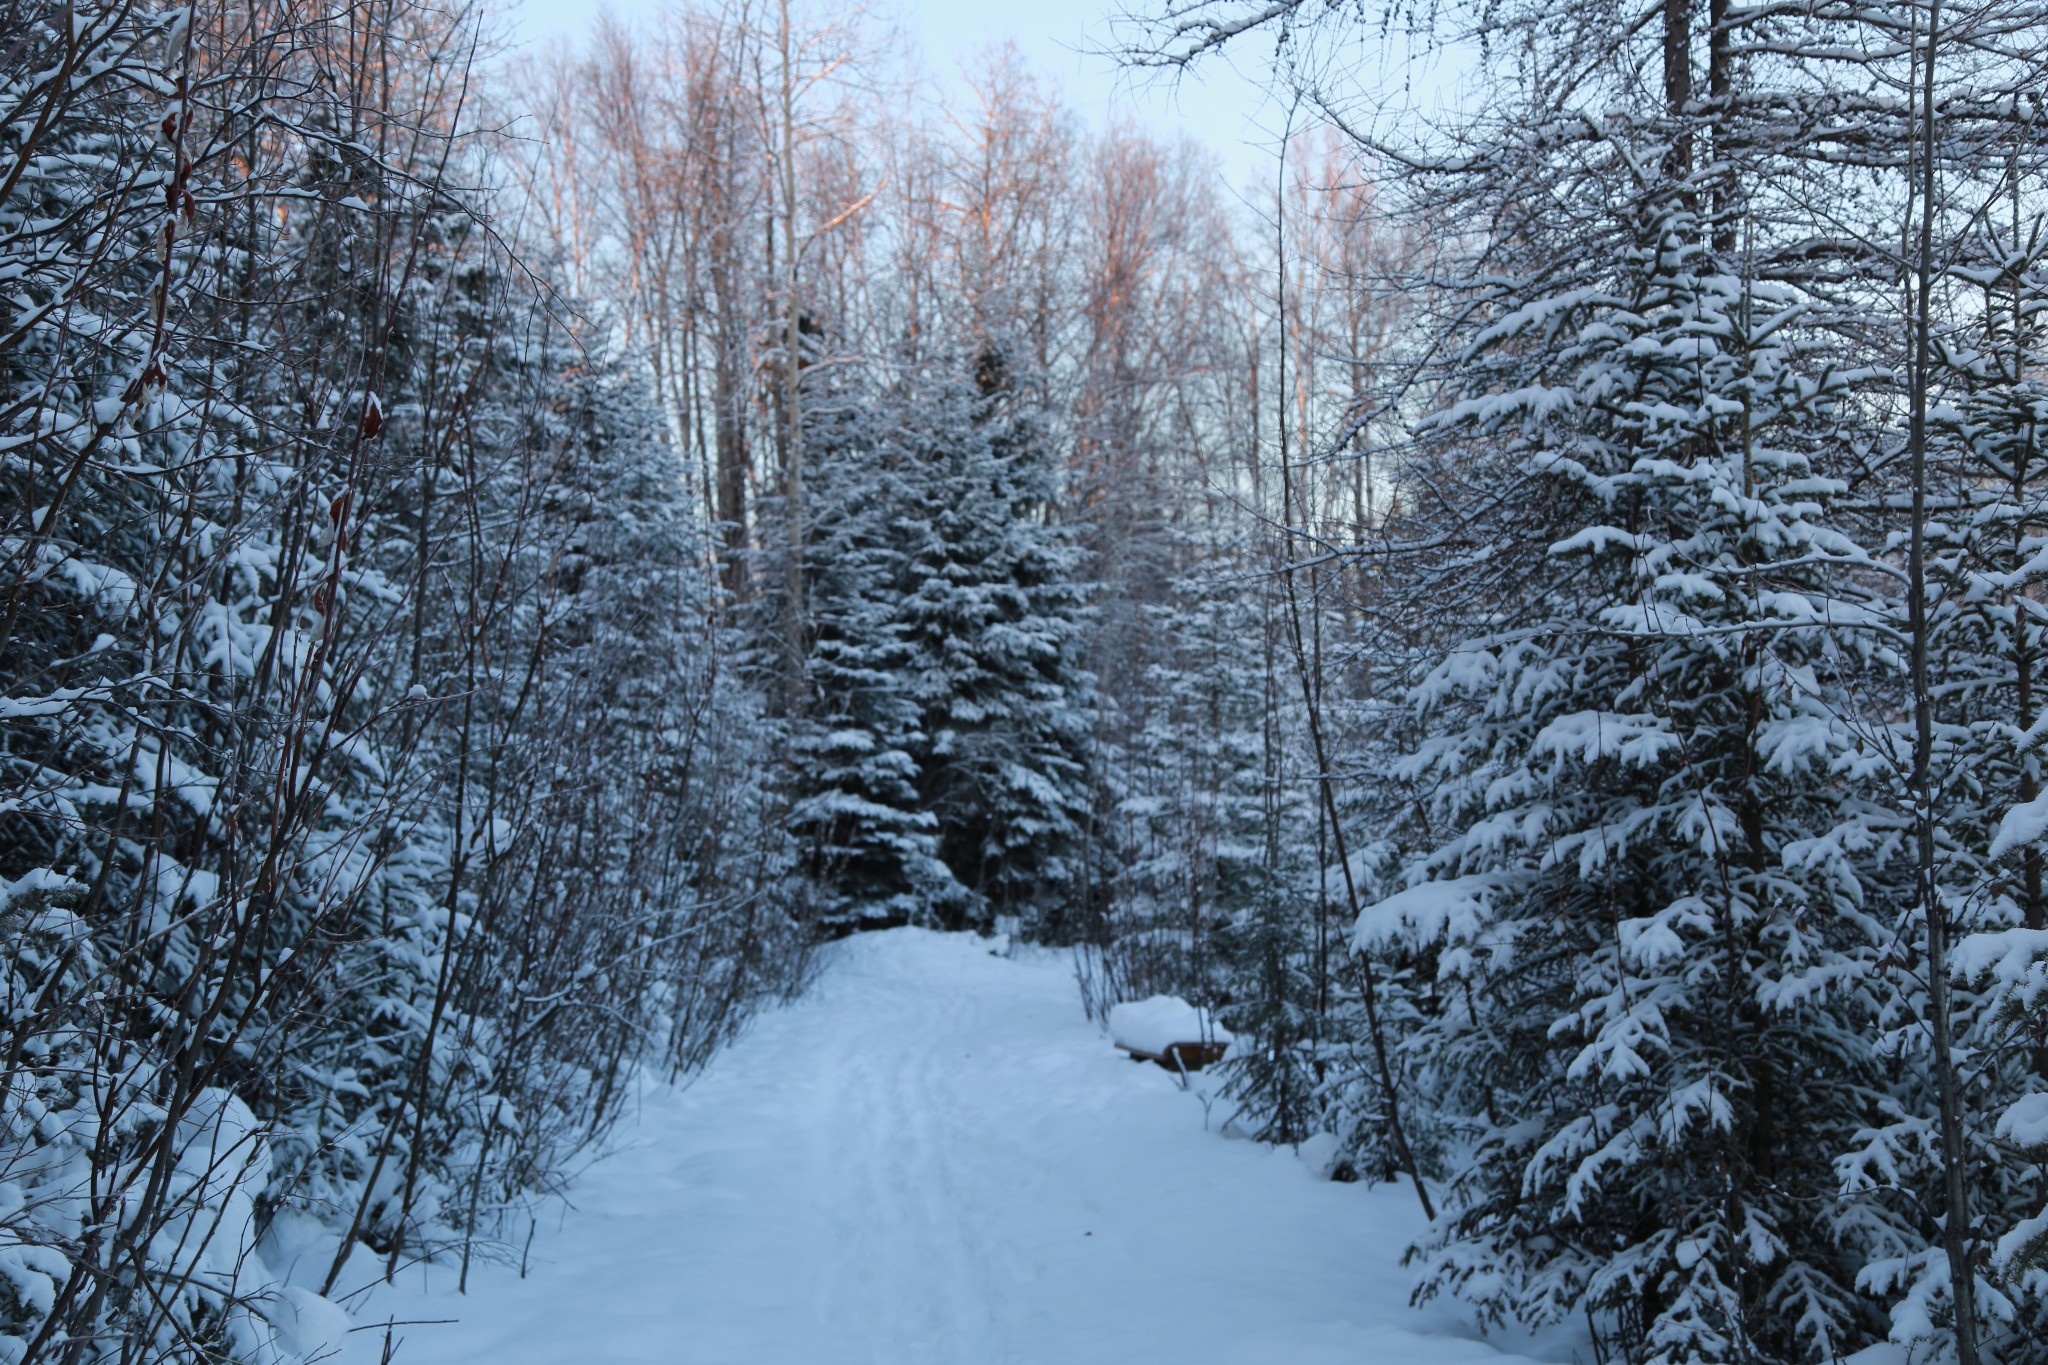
934 1159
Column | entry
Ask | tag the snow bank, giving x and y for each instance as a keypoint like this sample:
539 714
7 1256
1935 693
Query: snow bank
1158 1023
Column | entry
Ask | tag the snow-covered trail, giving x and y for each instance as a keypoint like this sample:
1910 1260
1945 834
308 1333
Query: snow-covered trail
934 1159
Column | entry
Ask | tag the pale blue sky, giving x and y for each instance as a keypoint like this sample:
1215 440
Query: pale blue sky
1219 107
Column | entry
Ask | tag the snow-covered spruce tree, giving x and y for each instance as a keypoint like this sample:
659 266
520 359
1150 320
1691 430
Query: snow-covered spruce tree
1953 1146
1648 915
359 1133
1184 772
993 607
1275 1069
1386 648
944 755
1221 791
872 848
1985 542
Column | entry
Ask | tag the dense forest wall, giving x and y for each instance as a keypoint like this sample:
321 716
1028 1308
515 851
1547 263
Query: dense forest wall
1703 864
377 796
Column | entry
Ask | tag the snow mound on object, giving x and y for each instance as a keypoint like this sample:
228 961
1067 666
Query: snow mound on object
1158 1023
1320 1152
305 1326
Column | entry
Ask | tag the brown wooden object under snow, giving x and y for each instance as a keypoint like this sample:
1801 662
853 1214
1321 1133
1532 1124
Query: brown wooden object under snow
1179 1056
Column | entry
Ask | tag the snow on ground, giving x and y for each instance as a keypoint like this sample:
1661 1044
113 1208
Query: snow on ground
933 1158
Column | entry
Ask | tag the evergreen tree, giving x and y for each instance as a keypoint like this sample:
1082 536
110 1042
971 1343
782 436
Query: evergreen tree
1187 789
943 760
992 606
872 845
1650 921
1985 539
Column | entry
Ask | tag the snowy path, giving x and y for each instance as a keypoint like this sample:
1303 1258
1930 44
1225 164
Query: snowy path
934 1159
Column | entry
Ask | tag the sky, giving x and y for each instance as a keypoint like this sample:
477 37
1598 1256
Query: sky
1220 106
